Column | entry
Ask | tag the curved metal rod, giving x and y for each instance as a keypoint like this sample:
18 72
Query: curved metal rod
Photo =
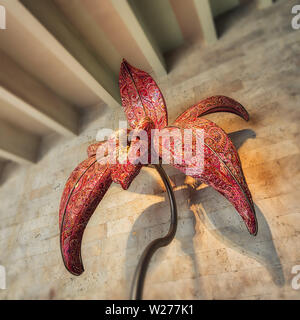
141 269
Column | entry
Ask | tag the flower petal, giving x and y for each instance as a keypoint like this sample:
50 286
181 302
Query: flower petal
141 97
211 105
219 168
83 191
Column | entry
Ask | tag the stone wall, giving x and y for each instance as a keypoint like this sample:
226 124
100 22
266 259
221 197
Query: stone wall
256 61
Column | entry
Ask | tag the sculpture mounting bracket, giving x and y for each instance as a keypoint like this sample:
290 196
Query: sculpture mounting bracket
139 277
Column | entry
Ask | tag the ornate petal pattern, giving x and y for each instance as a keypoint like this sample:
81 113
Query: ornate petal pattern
211 105
222 168
83 191
141 97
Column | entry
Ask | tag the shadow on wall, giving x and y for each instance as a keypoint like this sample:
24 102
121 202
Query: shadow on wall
7 170
215 214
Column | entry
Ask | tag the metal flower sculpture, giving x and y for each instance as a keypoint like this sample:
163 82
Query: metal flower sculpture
145 109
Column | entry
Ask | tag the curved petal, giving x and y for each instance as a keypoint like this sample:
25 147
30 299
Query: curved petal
83 191
141 97
221 166
211 105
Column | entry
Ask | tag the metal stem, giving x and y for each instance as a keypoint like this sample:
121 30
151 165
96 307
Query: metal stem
141 269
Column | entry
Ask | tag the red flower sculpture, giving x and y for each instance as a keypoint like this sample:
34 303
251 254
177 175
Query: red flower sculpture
145 109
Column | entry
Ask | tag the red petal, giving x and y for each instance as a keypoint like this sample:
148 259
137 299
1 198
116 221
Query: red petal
83 191
221 167
141 97
211 105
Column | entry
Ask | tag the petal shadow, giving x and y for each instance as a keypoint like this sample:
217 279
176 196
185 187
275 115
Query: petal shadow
221 219
240 137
